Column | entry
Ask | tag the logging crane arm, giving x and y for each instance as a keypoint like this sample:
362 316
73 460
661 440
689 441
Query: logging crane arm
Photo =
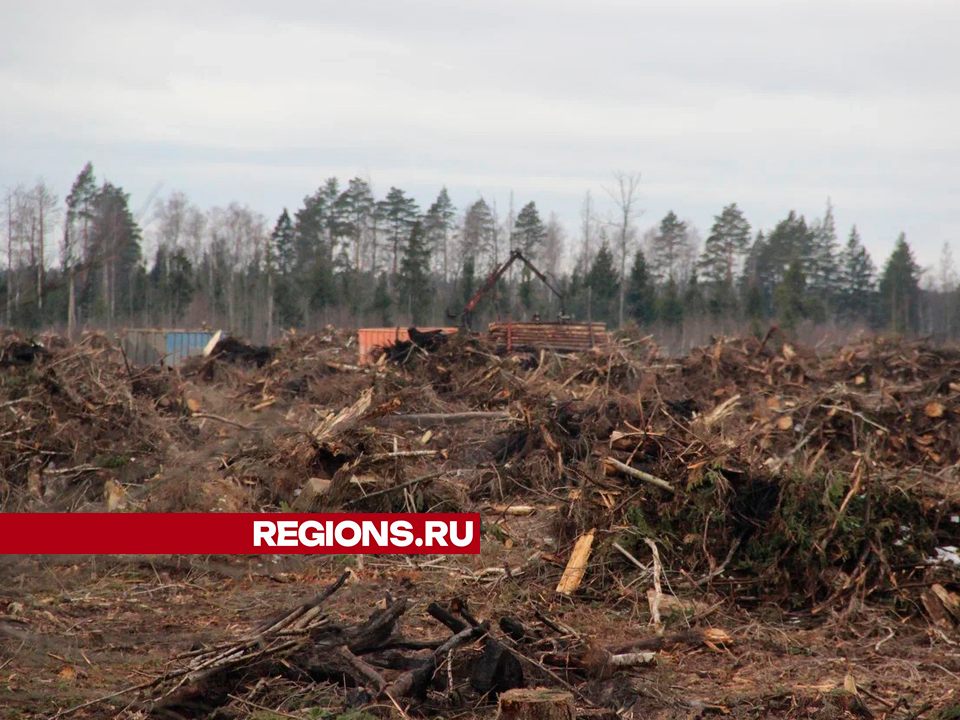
467 314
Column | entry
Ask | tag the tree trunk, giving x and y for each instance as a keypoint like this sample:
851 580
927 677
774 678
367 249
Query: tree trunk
9 259
269 308
40 252
72 305
536 704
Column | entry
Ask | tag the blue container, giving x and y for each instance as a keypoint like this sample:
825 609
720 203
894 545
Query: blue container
168 347
184 344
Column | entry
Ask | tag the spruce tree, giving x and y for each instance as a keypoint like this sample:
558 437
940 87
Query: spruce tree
641 294
382 302
438 225
414 280
478 237
669 305
283 260
900 289
604 285
857 279
823 267
694 304
790 296
284 244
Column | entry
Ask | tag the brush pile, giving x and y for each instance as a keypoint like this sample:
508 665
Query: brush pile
815 479
73 417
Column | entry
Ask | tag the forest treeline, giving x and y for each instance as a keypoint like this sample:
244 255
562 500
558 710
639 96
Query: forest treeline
347 257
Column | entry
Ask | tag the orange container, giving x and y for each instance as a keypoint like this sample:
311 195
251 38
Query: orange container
369 339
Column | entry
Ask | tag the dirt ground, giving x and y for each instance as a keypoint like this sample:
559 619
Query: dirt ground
804 496
79 628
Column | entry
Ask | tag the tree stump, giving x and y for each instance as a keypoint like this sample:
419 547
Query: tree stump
536 704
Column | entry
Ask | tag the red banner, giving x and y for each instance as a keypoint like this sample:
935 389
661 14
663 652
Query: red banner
240 533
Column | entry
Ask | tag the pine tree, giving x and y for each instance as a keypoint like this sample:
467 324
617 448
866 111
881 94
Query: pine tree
528 231
728 242
900 289
415 292
356 206
641 294
400 214
76 237
669 245
857 279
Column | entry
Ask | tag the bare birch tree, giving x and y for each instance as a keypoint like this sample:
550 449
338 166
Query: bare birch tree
625 194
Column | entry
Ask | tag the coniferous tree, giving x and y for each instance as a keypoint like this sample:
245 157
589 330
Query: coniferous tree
789 240
468 280
669 245
284 247
823 267
382 302
694 303
669 305
756 283
438 225
528 231
900 289
113 256
281 264
857 279
790 296
414 279
314 259
478 239
400 214
725 247
356 206
641 293
76 237
604 284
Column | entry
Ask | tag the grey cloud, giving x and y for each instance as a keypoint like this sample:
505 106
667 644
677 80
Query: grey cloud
772 105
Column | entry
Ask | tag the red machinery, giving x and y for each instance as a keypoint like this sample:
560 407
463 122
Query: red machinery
563 335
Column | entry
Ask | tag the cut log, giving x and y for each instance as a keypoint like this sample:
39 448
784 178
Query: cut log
577 565
536 704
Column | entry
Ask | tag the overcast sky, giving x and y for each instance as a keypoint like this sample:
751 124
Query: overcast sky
773 105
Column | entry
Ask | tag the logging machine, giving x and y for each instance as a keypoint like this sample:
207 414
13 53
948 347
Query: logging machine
562 334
